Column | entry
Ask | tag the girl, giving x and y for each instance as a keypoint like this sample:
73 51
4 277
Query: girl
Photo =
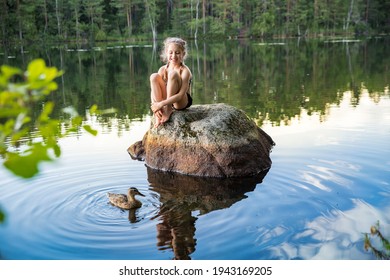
171 85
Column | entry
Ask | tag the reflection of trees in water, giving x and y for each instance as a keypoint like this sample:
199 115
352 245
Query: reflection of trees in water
181 195
271 82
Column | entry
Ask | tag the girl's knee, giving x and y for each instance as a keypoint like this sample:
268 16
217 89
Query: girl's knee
173 75
154 77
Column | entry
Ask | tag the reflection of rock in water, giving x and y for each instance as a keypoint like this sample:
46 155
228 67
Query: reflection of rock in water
180 195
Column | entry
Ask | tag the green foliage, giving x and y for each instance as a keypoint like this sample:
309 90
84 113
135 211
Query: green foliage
100 20
21 94
2 216
217 27
100 35
382 254
264 25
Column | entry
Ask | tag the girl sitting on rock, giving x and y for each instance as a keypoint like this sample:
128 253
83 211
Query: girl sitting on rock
171 85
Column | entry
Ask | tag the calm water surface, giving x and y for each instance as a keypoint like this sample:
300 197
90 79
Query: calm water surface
325 104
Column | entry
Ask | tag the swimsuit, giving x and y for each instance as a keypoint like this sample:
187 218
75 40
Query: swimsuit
189 103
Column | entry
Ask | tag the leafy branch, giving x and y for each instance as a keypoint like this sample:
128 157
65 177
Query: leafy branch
21 93
383 254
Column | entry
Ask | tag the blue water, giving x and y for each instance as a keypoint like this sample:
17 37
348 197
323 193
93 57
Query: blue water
329 182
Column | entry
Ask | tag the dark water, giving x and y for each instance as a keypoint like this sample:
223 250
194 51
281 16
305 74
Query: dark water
326 104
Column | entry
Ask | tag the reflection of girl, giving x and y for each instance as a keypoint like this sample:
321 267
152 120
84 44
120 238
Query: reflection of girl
171 85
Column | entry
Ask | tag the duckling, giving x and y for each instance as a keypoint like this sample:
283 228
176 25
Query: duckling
126 201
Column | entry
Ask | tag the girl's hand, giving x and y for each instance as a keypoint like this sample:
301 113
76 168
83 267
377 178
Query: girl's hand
156 106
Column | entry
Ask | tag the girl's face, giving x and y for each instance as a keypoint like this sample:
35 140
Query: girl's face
175 53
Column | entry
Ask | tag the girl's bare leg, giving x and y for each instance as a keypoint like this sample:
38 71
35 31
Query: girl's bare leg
158 93
173 87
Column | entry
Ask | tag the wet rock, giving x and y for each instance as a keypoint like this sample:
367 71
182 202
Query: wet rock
215 140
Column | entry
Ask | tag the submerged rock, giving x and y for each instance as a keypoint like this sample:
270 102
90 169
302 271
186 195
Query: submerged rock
215 140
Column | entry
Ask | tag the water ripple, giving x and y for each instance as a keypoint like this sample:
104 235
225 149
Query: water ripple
323 190
71 204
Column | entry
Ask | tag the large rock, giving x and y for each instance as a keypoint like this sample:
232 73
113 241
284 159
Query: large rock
214 140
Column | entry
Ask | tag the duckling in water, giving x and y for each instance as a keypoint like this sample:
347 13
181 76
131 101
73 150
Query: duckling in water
126 201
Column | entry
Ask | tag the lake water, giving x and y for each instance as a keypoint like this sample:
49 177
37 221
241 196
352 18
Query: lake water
326 104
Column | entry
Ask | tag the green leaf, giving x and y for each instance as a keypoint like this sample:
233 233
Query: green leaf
52 86
51 73
7 128
93 110
76 121
8 71
47 110
57 150
41 78
2 216
89 129
35 69
26 165
20 134
50 129
23 166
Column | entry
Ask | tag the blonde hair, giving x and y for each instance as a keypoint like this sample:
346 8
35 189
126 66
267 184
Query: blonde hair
174 40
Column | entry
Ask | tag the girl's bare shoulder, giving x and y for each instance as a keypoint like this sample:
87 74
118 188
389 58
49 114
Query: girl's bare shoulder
186 70
162 69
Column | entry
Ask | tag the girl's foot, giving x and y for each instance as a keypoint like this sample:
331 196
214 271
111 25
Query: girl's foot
157 121
167 112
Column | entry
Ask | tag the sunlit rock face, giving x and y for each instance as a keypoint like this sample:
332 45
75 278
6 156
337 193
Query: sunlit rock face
215 140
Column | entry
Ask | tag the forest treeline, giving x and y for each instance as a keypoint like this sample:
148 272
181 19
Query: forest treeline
95 20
